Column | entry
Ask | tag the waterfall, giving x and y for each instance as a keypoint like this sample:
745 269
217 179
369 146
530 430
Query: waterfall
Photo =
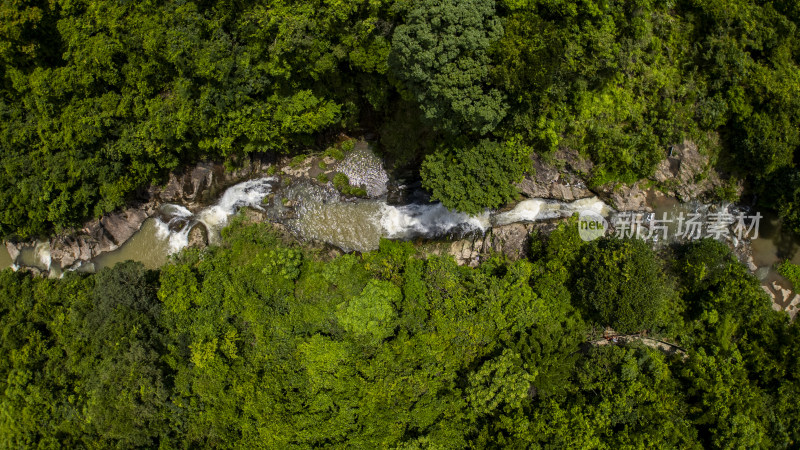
409 221
176 221
539 209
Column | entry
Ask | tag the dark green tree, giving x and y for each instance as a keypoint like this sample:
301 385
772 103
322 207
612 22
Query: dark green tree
441 56
620 283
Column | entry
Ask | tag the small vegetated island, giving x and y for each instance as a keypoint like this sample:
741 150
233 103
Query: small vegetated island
263 342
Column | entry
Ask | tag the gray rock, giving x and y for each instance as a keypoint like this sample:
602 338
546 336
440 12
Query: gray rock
575 162
120 226
511 240
98 236
551 182
364 168
625 198
688 174
14 249
194 187
198 236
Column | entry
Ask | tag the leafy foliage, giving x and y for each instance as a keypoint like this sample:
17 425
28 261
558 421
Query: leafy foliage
619 283
101 100
475 177
791 272
259 344
441 55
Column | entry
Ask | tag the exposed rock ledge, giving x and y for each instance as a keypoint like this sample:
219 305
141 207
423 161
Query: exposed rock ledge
98 236
558 183
511 240
685 173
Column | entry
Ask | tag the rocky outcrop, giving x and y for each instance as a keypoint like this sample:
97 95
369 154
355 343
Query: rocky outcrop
13 250
120 226
624 197
783 299
512 240
198 236
203 183
98 236
687 173
188 188
558 179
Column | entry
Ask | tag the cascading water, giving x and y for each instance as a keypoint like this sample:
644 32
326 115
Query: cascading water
176 230
359 225
168 232
539 209
179 220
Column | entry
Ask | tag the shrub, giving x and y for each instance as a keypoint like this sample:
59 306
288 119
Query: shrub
474 177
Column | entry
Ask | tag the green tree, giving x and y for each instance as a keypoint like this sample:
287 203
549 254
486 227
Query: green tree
620 283
441 55
473 177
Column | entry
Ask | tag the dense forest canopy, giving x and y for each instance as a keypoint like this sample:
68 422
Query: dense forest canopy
260 344
100 99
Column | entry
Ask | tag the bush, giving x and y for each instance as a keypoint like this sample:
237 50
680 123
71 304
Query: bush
348 145
340 181
342 184
334 153
474 177
791 272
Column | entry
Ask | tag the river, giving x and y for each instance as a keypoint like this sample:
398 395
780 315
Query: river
320 214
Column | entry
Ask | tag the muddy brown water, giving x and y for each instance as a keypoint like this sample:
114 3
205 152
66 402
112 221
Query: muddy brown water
148 246
773 245
5 258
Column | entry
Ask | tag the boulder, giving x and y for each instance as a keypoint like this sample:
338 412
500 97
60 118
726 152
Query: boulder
69 249
574 161
98 236
625 198
551 182
120 226
193 187
14 249
511 240
688 174
198 236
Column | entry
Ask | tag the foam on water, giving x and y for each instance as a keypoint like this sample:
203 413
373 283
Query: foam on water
171 209
527 210
403 222
177 240
42 252
249 193
540 209
180 220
